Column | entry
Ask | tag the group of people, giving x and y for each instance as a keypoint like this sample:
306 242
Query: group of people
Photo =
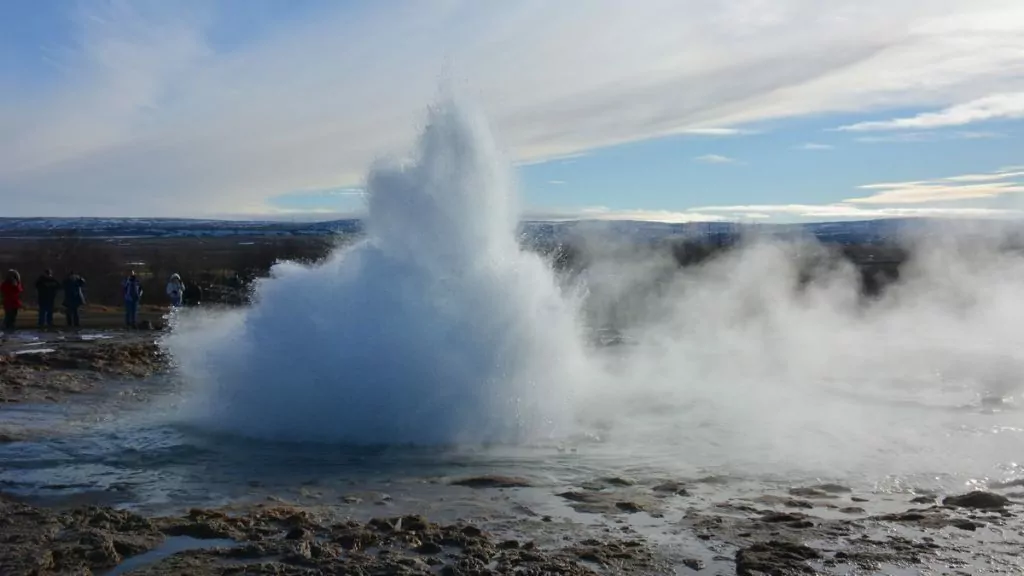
73 286
47 288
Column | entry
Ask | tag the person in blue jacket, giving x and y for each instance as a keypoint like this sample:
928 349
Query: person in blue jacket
132 290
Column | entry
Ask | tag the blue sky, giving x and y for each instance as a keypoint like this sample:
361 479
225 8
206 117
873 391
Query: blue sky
658 109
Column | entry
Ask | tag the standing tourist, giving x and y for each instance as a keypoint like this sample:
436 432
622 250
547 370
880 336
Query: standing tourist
10 292
175 290
132 290
193 294
74 298
46 295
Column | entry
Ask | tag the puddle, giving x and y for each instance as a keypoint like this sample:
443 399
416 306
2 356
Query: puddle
172 545
88 337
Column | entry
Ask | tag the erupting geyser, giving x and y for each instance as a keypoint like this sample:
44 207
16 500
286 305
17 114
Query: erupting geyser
436 329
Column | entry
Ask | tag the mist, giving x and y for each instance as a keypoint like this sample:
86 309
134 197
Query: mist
439 329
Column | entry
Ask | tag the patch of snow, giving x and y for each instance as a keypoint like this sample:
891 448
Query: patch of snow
34 351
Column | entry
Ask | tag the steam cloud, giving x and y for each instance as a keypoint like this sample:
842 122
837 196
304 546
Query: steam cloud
439 329
436 329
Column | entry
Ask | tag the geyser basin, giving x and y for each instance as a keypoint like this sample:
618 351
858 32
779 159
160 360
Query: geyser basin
438 329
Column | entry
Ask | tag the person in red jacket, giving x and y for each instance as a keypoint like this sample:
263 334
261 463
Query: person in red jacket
10 292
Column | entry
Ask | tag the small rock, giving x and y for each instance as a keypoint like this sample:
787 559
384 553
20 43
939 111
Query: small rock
852 510
923 500
694 564
671 488
965 524
810 493
429 548
413 523
492 482
832 488
775 557
977 499
773 500
630 507
779 517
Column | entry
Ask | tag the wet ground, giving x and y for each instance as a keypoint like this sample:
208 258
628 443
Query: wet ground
99 477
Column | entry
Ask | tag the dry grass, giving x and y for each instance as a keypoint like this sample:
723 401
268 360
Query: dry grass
96 317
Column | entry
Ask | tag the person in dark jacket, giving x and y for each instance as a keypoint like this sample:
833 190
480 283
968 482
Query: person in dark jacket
74 298
193 294
10 292
132 291
46 295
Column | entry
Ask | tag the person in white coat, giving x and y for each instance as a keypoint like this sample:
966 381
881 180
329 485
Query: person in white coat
175 290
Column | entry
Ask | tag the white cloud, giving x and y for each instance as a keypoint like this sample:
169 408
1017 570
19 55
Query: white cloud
715 132
670 216
922 198
556 182
994 177
814 146
845 211
994 107
954 188
938 136
715 159
775 213
146 111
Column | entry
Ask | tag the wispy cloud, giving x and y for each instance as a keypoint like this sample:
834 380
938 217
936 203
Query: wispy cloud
846 211
814 146
715 132
938 136
556 182
715 159
921 198
1008 106
775 213
954 188
148 100
670 216
993 177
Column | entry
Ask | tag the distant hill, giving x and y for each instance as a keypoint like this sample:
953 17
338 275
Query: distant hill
168 227
842 232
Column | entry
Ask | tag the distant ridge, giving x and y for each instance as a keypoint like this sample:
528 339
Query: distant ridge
40 227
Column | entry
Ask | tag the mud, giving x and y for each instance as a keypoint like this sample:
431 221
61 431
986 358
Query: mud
288 540
56 368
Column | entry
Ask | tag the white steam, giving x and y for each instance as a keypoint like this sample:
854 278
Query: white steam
436 329
439 329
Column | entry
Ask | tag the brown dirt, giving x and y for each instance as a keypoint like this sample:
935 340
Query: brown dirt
75 367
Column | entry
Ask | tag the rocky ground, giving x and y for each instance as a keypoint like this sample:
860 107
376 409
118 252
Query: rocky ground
813 531
607 525
55 367
282 540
